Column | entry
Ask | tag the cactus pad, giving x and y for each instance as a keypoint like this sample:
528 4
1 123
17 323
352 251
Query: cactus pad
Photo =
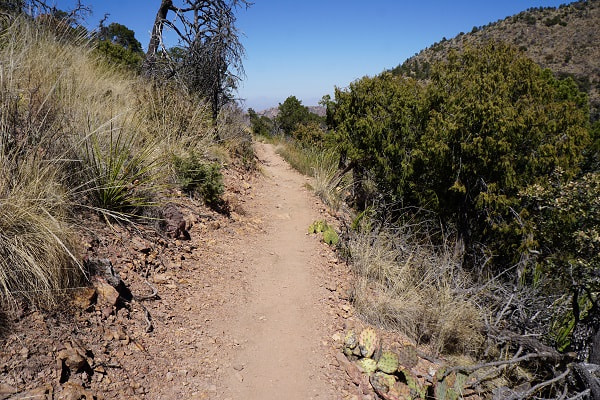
317 227
398 391
348 352
382 382
451 387
351 340
417 390
367 342
330 236
388 362
378 351
367 365
407 357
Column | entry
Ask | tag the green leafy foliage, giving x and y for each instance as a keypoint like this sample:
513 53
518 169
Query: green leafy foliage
376 125
292 114
120 35
260 124
118 45
495 123
117 55
310 133
489 123
196 175
565 218
501 151
11 6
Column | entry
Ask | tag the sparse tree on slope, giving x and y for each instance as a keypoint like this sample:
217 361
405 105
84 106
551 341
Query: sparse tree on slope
212 62
121 35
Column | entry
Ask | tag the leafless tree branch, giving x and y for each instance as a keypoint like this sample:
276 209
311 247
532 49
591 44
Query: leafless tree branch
211 65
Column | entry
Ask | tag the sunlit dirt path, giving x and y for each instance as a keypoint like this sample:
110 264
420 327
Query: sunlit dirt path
281 325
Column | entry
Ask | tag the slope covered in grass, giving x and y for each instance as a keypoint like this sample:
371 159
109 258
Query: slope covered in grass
78 135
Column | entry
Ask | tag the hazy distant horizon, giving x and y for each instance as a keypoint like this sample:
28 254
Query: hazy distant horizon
264 103
307 48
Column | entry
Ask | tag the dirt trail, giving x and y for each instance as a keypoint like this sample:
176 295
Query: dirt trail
281 325
252 307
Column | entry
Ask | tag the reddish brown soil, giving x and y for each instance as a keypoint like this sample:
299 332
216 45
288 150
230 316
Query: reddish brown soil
252 307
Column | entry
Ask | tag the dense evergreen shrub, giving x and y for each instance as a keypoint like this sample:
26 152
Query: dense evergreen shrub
489 123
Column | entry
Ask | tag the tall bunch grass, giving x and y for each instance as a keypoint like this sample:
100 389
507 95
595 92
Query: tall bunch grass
328 184
321 164
38 251
406 282
38 256
301 158
76 133
235 134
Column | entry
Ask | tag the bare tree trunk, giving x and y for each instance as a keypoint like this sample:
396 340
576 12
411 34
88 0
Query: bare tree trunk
156 37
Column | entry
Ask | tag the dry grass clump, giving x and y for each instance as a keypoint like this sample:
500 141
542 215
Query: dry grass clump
302 159
327 182
405 282
37 244
233 132
319 163
76 132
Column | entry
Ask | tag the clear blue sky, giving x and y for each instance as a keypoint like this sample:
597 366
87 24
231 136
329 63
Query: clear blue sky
307 47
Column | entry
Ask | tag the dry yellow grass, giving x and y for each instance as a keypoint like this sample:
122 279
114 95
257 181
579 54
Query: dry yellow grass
319 163
72 127
405 282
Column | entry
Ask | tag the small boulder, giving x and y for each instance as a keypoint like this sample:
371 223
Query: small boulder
73 391
84 298
107 294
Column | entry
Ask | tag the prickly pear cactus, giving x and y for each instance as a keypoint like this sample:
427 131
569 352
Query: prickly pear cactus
450 387
317 227
367 342
407 357
350 340
350 343
367 365
399 391
382 382
330 236
378 351
417 391
388 362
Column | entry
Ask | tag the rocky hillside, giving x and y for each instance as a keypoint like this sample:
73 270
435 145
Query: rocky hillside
565 39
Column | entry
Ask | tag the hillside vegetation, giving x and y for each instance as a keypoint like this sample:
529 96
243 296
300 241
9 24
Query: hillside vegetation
81 133
474 186
565 39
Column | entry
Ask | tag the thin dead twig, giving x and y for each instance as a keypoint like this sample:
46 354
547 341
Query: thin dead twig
531 356
152 296
539 386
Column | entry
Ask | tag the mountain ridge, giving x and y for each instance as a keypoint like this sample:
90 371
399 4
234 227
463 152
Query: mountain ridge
565 39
